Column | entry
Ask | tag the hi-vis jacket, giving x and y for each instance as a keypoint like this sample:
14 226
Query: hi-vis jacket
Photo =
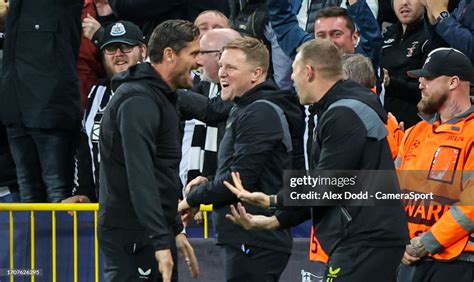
439 158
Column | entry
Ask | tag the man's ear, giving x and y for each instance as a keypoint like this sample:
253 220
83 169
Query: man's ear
168 55
143 51
310 73
454 82
355 38
257 74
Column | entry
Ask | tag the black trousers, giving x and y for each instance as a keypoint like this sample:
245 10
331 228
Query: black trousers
250 263
434 271
130 256
363 264
44 160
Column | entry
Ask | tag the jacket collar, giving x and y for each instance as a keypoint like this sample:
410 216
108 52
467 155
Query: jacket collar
255 93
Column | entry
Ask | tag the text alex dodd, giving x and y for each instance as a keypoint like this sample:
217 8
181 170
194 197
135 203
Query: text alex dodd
313 195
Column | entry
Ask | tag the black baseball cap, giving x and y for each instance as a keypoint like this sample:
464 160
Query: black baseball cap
122 32
445 61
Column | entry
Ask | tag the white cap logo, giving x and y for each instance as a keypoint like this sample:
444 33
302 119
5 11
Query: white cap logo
117 29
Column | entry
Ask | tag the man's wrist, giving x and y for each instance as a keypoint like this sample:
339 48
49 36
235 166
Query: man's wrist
272 223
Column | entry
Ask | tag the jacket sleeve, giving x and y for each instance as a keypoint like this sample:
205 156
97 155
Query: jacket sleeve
371 39
289 35
254 142
456 34
292 217
212 111
458 222
138 121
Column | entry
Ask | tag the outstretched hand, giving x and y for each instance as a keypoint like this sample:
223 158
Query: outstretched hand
254 198
248 221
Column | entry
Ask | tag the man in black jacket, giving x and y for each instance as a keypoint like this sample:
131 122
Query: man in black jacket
140 154
406 45
350 135
257 143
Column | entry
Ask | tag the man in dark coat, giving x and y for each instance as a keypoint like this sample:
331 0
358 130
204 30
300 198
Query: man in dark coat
40 95
140 153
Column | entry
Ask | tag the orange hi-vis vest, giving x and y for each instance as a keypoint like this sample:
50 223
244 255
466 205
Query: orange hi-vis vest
439 158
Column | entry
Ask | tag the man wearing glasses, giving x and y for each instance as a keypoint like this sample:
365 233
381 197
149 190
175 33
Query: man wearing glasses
122 46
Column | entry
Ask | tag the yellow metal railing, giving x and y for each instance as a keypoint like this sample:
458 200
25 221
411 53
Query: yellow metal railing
205 209
53 208
16 207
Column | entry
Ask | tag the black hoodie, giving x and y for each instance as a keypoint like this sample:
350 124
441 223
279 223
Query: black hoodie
350 135
253 145
140 153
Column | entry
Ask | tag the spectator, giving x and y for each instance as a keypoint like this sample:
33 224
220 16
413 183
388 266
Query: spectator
40 100
359 68
259 151
122 46
368 235
308 9
140 153
211 19
436 157
89 67
406 46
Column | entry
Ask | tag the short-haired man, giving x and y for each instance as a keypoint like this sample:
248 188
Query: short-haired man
350 135
211 19
140 154
436 156
406 46
257 143
122 46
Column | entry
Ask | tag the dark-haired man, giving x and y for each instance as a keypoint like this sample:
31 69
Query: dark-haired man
140 154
